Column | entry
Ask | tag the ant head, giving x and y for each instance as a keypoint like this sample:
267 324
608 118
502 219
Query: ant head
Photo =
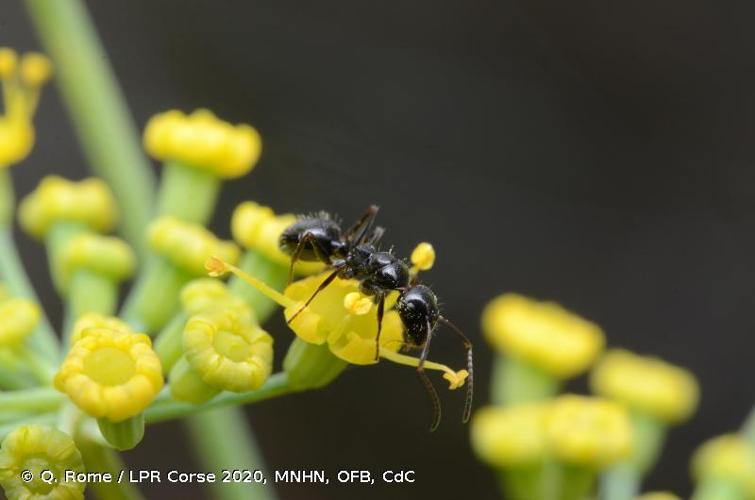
418 308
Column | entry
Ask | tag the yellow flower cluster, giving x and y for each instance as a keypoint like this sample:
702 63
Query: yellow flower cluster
103 255
110 373
647 385
258 228
336 317
727 457
542 333
21 81
201 140
188 246
19 317
577 430
37 448
88 202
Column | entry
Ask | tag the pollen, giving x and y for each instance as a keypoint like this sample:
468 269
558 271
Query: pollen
357 304
423 257
456 379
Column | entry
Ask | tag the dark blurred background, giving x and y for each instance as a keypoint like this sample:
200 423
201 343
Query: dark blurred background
596 153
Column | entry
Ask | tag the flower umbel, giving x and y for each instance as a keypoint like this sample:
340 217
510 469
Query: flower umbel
21 81
110 374
542 333
37 448
512 436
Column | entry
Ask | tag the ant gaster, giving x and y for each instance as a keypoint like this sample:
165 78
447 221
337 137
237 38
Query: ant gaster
353 254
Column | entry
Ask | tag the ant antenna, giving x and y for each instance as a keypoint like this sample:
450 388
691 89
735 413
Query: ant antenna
470 367
434 399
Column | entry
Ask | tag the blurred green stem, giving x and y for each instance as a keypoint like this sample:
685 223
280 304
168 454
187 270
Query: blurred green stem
98 109
101 459
222 440
187 193
12 271
623 481
89 293
515 381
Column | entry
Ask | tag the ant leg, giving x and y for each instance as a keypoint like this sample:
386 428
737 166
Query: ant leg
380 311
320 252
470 377
434 399
362 226
327 281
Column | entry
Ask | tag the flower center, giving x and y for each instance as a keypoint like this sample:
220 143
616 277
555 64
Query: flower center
232 346
109 366
37 465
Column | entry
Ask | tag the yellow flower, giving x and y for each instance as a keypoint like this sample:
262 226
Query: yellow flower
110 374
505 437
188 246
340 319
19 317
658 495
103 255
201 140
95 320
88 202
589 431
21 85
646 384
256 227
727 457
37 448
227 350
543 334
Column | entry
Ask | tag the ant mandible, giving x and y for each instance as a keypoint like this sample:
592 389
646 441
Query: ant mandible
353 254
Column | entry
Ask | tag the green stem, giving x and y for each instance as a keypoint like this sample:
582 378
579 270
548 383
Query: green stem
36 400
154 299
89 293
719 488
222 440
57 238
515 381
165 408
101 459
623 481
43 338
42 371
521 482
98 109
311 366
169 342
187 193
262 268
576 482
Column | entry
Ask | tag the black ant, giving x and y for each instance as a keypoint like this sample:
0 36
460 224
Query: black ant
353 255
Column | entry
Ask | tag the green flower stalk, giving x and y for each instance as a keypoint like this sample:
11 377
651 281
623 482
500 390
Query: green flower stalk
19 319
658 395
199 151
179 251
97 108
59 210
541 345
